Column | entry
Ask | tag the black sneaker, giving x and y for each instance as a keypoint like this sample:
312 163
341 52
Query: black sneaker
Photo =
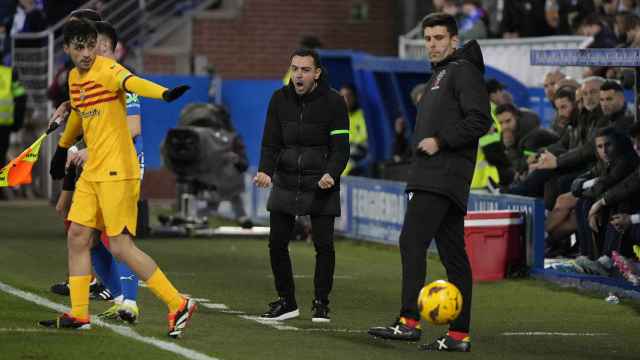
60 288
100 292
397 331
447 343
281 309
320 312
66 321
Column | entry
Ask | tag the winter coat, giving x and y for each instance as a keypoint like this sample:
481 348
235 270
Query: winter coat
304 138
455 110
584 155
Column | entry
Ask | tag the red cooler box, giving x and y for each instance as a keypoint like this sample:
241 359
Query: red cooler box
494 241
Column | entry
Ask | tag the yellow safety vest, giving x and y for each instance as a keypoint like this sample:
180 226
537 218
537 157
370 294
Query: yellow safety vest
483 170
357 134
6 96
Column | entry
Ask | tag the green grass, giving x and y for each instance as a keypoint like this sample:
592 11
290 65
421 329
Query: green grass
236 272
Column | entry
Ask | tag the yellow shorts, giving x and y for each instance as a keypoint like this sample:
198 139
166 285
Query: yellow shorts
106 205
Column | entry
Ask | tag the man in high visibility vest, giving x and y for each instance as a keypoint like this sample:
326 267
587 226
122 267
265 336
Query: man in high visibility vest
358 137
13 101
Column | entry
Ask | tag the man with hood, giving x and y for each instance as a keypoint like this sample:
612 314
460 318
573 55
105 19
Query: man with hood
305 148
452 115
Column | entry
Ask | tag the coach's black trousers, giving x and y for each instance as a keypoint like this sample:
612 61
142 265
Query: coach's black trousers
429 216
279 237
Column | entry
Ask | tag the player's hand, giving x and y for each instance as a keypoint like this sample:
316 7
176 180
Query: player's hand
621 222
326 182
429 145
58 163
262 180
79 158
59 116
176 92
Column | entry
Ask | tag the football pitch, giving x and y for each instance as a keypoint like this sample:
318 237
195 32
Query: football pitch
513 319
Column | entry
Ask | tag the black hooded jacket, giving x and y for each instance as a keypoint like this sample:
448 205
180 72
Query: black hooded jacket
455 110
298 148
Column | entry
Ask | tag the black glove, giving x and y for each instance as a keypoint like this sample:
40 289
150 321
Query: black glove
175 93
576 187
58 163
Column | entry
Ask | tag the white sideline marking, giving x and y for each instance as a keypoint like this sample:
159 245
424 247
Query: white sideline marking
215 306
273 323
121 330
232 312
21 330
200 300
544 333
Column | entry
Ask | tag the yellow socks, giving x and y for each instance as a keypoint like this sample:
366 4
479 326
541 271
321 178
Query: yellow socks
79 293
164 290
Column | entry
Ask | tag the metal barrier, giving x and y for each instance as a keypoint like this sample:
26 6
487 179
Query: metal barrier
508 55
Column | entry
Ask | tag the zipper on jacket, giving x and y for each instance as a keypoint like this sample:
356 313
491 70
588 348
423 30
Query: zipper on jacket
299 188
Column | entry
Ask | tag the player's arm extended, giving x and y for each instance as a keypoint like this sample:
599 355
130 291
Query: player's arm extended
149 89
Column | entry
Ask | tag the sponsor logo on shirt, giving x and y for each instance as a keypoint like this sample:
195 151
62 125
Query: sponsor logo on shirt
89 113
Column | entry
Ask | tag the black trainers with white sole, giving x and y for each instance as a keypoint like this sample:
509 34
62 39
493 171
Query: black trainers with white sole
320 312
281 309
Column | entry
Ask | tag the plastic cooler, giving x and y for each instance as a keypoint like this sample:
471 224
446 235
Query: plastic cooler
494 242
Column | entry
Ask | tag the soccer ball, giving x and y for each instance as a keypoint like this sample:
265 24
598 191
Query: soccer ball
440 302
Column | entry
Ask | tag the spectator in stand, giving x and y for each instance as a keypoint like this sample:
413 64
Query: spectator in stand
603 38
616 161
521 137
28 18
401 145
358 138
631 6
474 21
564 16
534 184
557 125
524 18
608 10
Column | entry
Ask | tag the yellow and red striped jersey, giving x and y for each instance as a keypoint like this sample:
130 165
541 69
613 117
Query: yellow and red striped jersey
98 101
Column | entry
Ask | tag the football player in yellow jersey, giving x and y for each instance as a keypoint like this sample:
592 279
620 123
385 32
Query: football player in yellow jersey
107 192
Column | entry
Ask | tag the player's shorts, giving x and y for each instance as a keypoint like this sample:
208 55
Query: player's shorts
109 206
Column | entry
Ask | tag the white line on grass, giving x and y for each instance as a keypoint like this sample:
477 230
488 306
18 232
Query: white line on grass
544 333
121 330
214 306
21 330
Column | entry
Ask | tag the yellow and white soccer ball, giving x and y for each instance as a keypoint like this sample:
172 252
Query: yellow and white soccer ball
440 302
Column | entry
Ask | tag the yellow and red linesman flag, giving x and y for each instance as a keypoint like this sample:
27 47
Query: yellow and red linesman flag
18 170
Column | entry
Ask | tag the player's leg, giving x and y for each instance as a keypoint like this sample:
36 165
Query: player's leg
279 236
119 206
85 218
417 232
451 248
322 235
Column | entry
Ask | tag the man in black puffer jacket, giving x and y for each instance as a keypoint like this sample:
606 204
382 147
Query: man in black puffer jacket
452 115
305 148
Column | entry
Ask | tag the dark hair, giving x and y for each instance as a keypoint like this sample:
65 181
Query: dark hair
307 52
310 42
612 85
441 19
508 108
493 86
566 92
593 19
87 14
628 21
606 131
78 30
354 91
106 29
